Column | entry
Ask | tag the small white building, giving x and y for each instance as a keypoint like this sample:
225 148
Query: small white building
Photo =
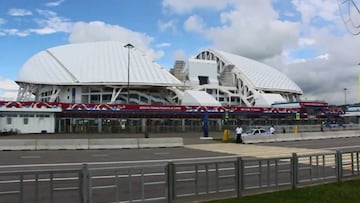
28 120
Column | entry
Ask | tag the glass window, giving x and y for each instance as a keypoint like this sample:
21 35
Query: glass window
9 121
26 121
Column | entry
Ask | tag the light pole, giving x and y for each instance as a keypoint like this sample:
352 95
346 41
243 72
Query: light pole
128 46
358 65
345 89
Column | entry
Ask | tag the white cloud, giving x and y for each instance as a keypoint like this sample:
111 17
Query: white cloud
48 23
194 24
8 89
179 55
186 6
51 23
46 13
16 32
165 44
19 12
100 31
306 41
310 9
2 21
169 25
245 32
6 84
54 3
325 76
8 96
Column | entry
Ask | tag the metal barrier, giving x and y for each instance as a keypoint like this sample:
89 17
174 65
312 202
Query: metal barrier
41 186
349 164
122 184
207 178
258 174
316 168
180 182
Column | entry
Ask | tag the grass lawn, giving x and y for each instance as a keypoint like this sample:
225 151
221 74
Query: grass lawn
348 191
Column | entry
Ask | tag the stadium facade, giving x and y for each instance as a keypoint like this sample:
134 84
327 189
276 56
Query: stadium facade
108 72
112 87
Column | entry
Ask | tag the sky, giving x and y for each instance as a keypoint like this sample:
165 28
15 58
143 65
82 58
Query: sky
313 42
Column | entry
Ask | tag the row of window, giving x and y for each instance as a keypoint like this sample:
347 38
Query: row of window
25 115
9 121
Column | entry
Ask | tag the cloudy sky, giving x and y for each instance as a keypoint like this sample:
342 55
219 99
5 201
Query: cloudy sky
313 42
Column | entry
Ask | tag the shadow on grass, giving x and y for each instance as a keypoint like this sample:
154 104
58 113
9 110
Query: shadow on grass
348 191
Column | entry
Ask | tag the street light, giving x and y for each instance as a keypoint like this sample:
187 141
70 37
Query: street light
358 65
128 46
345 89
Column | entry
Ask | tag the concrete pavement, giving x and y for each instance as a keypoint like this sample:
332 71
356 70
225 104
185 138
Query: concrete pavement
251 150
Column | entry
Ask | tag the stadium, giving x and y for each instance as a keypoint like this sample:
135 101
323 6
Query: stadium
113 87
109 72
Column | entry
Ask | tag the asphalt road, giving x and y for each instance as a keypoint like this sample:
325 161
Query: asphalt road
73 159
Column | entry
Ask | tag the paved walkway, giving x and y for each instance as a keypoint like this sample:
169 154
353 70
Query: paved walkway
253 150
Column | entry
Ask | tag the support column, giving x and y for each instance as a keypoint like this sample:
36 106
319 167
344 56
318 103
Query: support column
183 129
99 122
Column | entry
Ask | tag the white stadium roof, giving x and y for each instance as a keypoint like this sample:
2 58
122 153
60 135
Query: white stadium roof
261 76
199 98
94 63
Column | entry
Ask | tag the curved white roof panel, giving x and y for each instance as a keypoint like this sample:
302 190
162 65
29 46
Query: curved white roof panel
94 63
198 98
260 75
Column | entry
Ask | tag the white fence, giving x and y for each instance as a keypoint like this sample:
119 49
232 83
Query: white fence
280 137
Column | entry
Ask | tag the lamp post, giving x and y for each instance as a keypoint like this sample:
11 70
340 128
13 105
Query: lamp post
358 65
345 89
128 46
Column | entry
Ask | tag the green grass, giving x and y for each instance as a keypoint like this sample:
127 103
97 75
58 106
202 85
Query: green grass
348 191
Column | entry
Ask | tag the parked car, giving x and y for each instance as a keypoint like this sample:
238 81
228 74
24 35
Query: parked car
256 131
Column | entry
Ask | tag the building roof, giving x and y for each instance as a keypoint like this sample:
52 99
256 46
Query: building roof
198 98
267 99
260 75
94 63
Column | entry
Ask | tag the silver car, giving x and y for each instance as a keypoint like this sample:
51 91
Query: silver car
256 131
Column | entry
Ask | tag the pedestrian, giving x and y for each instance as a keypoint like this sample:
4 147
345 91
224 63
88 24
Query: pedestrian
272 130
238 131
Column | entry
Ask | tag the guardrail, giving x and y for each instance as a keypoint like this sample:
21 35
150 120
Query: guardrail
178 182
90 143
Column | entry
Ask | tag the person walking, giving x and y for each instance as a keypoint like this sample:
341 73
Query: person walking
272 130
238 131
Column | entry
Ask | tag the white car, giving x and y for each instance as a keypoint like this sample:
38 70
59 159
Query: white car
256 131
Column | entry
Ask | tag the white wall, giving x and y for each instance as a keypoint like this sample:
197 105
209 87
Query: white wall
198 67
37 122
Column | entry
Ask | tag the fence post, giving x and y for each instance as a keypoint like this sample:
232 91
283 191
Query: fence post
84 184
339 165
170 182
294 174
239 170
